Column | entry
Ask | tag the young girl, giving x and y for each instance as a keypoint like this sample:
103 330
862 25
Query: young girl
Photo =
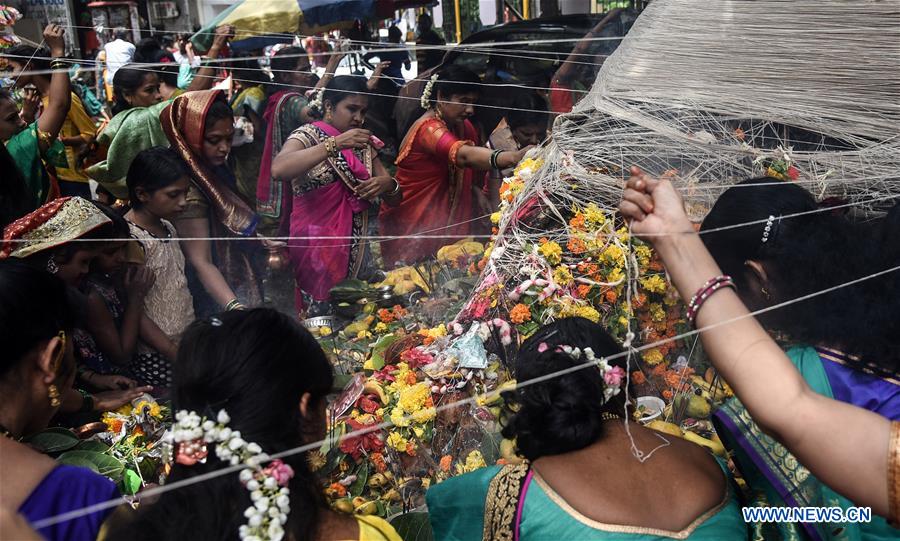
115 302
158 186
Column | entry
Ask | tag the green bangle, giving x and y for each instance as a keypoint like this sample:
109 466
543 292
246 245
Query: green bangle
87 402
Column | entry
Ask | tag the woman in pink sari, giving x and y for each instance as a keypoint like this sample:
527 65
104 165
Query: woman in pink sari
338 184
436 171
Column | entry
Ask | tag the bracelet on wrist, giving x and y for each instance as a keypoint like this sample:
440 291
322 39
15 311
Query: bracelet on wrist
705 292
87 401
234 304
495 155
396 189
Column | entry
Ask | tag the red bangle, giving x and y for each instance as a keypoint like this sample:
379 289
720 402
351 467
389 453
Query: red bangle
705 292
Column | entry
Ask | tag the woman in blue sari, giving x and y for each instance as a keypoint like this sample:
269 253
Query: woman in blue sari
581 479
842 346
37 369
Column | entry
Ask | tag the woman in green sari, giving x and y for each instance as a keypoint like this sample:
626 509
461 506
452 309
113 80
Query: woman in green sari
32 147
581 478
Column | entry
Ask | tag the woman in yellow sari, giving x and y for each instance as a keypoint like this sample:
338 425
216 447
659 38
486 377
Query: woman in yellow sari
200 128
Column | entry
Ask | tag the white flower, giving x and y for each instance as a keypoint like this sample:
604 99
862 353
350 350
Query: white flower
256 495
262 504
224 434
196 433
244 531
254 448
250 511
273 512
283 502
252 485
270 483
180 415
236 443
223 417
235 460
208 425
246 476
254 521
276 533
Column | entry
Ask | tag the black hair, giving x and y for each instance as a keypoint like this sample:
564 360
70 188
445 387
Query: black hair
394 34
802 255
118 228
527 109
340 88
127 80
562 414
147 51
153 169
246 69
455 80
285 61
256 365
168 73
14 201
32 58
219 110
425 20
34 307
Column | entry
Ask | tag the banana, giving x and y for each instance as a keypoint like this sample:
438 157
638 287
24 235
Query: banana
377 480
373 387
713 445
493 397
343 505
667 428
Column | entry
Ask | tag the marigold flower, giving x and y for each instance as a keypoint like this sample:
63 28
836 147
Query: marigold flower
611 296
446 460
338 490
576 245
552 252
653 356
519 314
410 448
667 394
638 377
377 460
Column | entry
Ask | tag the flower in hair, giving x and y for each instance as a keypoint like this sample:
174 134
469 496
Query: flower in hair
316 102
425 101
189 439
613 376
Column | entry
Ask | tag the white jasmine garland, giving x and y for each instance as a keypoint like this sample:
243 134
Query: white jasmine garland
189 438
425 101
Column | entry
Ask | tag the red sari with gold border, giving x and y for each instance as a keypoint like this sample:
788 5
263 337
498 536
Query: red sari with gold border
437 195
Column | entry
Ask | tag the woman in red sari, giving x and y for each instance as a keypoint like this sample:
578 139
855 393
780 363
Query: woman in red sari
436 171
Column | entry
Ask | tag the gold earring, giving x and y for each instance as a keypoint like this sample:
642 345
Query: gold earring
765 293
53 393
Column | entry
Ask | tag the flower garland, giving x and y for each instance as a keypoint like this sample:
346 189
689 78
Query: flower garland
613 376
316 102
425 100
269 492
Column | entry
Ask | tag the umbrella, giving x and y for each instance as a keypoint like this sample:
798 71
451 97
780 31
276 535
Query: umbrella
257 24
326 12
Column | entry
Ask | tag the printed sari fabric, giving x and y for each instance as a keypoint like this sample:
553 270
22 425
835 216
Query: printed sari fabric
35 166
437 195
776 478
214 196
283 115
245 159
513 503
325 212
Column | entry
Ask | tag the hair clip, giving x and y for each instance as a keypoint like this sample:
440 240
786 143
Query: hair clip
768 229
215 322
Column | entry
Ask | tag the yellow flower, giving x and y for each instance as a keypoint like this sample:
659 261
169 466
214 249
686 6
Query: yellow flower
622 234
616 275
398 417
423 416
594 216
588 312
151 407
552 252
474 461
657 312
653 356
380 327
643 254
623 321
124 410
563 276
397 441
654 283
495 218
614 255
413 398
418 431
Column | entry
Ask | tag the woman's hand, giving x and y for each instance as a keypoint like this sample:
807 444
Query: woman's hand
113 400
653 207
223 34
372 83
375 186
31 100
112 382
271 244
355 138
511 158
137 282
53 37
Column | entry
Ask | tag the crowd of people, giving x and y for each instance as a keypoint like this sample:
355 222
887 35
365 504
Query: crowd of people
156 283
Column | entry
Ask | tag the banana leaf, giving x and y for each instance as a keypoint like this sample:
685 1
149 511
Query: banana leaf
413 526
53 440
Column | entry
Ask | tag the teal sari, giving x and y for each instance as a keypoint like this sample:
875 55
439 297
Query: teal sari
777 479
514 503
25 149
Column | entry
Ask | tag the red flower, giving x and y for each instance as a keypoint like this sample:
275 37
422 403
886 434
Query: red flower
367 404
355 446
793 173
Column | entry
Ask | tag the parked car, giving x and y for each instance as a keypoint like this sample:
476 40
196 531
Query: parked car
530 65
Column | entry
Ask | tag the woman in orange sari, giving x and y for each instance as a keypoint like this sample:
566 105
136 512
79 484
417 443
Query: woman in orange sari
200 128
436 171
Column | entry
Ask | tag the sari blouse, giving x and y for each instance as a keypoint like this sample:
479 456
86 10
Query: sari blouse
25 150
437 194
